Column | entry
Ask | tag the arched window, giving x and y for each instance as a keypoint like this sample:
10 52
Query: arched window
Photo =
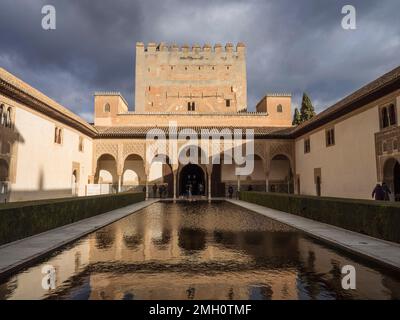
9 122
58 135
107 107
1 114
392 115
385 117
279 108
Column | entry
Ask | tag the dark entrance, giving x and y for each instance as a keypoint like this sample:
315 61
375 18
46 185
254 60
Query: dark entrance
396 176
192 176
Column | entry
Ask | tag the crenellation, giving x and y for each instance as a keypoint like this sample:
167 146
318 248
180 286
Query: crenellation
206 79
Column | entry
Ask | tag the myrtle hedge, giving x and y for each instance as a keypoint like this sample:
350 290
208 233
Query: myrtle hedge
379 219
23 219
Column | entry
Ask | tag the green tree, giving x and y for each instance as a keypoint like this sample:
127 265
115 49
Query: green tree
307 109
296 117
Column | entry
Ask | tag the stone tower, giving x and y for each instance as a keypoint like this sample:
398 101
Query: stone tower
196 79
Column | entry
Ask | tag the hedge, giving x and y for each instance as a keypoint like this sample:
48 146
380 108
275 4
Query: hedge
23 219
379 219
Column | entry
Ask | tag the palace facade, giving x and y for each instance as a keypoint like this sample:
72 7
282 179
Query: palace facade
47 151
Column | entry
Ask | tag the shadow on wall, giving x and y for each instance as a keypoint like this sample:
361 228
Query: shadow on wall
10 138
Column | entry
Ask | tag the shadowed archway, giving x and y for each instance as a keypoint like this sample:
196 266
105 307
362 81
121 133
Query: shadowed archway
192 176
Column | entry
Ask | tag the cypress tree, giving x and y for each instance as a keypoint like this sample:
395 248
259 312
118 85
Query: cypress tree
296 117
307 109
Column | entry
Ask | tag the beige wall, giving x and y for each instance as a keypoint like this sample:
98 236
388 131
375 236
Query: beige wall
43 169
348 169
167 78
269 104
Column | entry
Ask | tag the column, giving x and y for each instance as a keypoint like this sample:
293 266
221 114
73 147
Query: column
175 174
209 187
119 183
147 188
266 183
238 186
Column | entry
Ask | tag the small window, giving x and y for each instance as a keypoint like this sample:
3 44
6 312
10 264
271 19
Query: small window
384 118
185 68
228 102
2 114
9 122
107 107
172 67
213 68
307 145
392 115
330 137
149 88
191 106
279 108
227 67
81 144
58 135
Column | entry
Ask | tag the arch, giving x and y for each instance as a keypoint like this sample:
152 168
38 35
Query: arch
106 169
161 172
281 174
279 108
391 176
192 177
107 107
133 173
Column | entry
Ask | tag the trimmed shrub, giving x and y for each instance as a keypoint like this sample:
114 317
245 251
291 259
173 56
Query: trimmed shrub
379 219
19 220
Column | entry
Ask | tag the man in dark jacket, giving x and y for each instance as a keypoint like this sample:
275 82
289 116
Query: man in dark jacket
378 192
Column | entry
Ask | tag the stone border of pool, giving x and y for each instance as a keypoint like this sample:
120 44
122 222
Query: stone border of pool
16 255
380 251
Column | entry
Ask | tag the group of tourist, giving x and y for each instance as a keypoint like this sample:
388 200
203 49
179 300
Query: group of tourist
381 192
162 191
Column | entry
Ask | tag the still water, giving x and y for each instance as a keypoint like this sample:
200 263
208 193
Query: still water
198 251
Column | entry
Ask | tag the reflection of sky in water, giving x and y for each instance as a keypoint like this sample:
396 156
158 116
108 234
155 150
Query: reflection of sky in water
199 251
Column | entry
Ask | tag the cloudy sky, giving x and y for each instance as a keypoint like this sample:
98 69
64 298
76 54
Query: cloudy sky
292 46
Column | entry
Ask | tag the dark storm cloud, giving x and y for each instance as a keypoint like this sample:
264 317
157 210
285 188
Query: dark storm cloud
293 46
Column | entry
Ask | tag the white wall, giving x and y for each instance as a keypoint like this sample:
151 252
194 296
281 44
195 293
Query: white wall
44 168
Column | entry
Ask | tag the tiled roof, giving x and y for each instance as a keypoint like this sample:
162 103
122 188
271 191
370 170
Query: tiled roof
19 90
129 131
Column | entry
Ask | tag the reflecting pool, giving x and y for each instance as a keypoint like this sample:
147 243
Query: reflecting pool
198 250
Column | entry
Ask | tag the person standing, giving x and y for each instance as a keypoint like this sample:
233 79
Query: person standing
230 191
378 192
386 192
155 190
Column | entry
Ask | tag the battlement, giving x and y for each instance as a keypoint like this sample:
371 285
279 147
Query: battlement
185 48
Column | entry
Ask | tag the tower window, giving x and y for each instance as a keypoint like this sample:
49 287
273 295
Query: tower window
191 106
107 107
279 108
227 102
